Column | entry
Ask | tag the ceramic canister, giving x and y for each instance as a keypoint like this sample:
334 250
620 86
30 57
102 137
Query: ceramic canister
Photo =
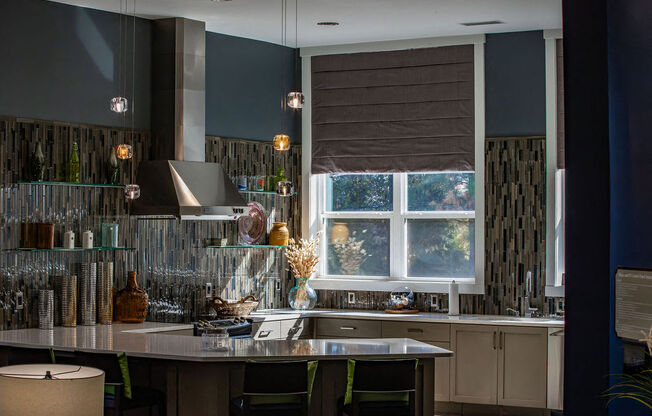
87 239
69 239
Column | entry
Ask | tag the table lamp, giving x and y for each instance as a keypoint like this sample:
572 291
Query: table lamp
51 389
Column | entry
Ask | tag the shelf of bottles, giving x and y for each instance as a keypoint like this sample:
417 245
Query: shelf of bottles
265 193
72 250
72 184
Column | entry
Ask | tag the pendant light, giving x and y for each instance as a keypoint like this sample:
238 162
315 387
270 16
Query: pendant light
281 141
119 103
295 99
132 191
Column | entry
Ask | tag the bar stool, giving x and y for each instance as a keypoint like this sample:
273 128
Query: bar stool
380 387
276 388
17 356
120 396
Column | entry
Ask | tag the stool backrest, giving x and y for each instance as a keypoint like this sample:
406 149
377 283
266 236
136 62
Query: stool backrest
384 375
285 377
106 362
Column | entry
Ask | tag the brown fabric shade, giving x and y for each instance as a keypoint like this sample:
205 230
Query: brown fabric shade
399 111
561 154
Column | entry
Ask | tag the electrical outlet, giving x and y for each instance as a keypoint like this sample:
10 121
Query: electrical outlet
351 297
209 290
434 301
277 285
19 300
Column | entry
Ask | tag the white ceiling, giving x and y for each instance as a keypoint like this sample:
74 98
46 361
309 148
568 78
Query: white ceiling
360 20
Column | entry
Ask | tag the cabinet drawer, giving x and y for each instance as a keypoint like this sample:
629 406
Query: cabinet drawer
349 328
420 331
296 329
267 330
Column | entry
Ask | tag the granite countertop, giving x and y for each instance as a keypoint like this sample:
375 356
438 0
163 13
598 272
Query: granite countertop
142 340
282 314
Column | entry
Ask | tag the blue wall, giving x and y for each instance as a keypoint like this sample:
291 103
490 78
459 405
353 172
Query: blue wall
515 84
245 83
61 62
630 148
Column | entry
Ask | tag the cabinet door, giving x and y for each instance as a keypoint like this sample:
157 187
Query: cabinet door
296 328
522 366
442 374
474 371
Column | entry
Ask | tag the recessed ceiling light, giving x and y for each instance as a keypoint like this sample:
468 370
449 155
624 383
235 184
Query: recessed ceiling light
328 23
487 22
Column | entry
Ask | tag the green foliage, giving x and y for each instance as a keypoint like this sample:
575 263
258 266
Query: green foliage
637 387
361 192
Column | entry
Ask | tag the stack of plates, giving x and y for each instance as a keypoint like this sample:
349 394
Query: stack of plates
104 292
87 293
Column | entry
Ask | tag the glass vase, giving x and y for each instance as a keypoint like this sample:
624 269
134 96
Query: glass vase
302 296
131 302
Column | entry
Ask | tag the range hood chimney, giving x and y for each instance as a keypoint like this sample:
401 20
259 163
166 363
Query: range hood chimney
180 183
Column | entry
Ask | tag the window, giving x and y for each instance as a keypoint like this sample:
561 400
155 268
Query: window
403 226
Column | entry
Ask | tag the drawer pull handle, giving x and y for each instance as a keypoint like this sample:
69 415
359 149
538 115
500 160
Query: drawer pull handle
494 340
418 330
347 328
265 334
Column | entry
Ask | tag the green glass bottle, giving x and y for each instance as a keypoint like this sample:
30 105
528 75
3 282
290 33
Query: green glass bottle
73 164
279 177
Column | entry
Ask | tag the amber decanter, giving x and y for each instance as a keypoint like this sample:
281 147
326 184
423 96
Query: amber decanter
131 302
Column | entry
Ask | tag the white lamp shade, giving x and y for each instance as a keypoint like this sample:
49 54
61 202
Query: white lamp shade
25 391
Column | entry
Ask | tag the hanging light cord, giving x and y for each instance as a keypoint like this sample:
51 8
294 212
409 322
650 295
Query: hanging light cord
133 93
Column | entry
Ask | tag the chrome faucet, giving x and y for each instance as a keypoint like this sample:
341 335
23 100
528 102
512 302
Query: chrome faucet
528 312
513 311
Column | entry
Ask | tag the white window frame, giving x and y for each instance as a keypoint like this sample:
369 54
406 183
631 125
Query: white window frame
313 189
555 178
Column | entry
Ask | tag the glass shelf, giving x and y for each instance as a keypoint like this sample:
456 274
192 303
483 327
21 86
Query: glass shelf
253 246
72 184
74 249
266 193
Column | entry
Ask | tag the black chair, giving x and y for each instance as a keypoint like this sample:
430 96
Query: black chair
144 401
382 387
274 389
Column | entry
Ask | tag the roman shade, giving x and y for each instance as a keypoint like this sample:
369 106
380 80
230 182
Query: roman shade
398 111
561 155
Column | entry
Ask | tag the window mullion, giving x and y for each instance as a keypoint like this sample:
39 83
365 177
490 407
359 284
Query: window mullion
397 230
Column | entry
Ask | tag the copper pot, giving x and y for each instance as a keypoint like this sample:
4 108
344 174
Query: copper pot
45 235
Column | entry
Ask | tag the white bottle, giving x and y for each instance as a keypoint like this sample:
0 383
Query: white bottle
87 239
69 239
453 299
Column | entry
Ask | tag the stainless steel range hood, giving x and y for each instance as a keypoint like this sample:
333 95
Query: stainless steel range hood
180 183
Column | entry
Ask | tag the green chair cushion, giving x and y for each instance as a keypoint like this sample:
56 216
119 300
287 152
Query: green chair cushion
124 369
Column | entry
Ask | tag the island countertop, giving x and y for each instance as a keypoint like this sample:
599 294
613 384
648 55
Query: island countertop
144 340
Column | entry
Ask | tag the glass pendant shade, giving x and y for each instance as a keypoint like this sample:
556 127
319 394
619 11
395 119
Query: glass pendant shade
132 191
281 142
296 99
124 151
119 104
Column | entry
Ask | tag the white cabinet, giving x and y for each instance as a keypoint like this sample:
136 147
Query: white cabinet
266 330
474 369
503 365
556 368
522 366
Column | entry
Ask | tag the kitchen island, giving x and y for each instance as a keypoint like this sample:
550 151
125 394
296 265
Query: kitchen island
198 382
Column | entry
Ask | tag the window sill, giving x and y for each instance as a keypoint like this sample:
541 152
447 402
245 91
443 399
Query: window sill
555 291
466 285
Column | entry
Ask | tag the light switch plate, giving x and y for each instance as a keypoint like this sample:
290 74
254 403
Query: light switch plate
434 301
351 297
209 290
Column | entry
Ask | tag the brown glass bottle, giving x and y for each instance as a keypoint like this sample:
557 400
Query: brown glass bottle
131 302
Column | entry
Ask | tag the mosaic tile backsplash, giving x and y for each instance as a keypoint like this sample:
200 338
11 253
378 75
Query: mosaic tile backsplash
168 255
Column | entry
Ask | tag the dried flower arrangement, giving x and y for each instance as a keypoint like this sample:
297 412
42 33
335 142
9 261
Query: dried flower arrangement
303 256
351 254
637 387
